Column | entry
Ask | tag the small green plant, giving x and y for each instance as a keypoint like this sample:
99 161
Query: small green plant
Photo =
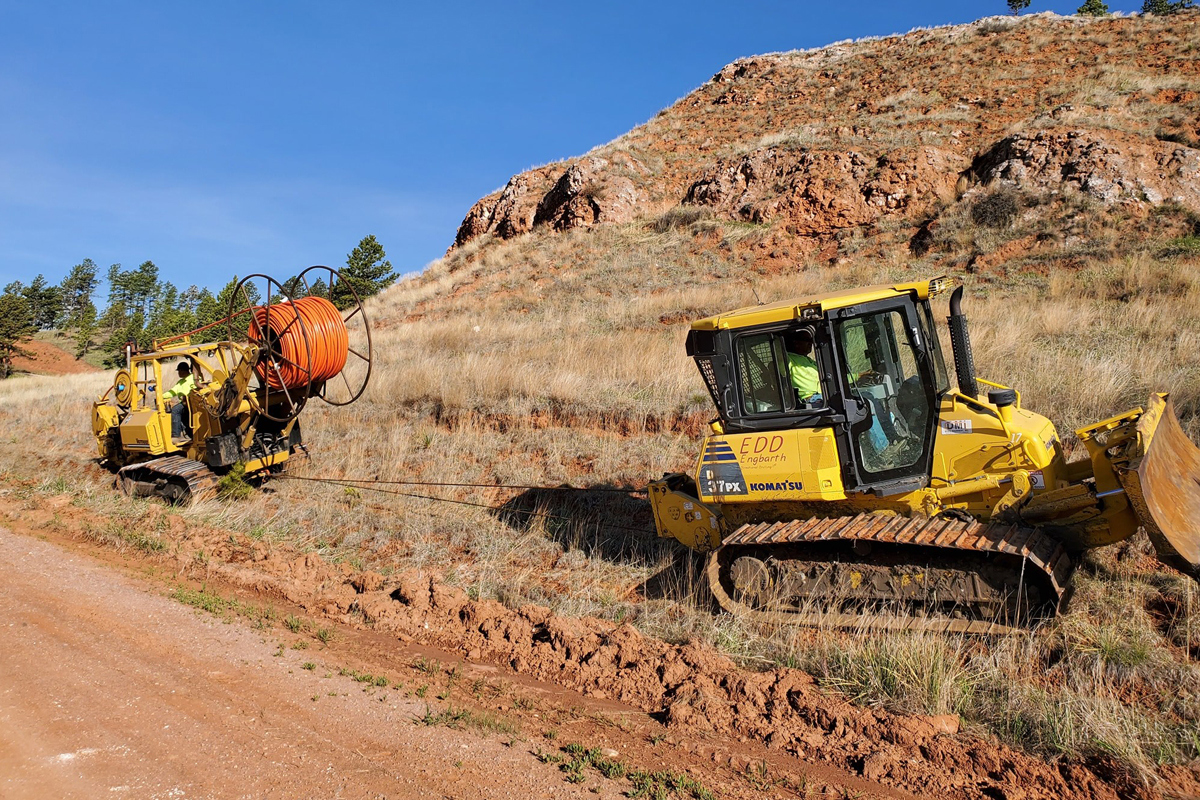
545 757
654 785
324 635
293 623
1183 246
203 600
427 665
464 719
308 665
232 485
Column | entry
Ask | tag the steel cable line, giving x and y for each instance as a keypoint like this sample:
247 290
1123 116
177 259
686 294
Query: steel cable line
609 489
532 513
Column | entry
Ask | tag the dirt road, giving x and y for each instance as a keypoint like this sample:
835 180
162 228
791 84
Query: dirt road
110 689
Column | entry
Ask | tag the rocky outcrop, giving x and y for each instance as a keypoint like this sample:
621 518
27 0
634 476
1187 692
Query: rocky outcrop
511 211
1112 167
811 143
820 192
590 191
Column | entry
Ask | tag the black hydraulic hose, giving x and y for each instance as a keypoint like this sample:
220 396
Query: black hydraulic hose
960 342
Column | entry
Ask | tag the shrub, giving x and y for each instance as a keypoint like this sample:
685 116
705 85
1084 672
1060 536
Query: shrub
997 209
679 217
1093 8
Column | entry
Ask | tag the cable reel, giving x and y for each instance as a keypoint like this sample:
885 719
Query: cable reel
308 333
355 372
263 315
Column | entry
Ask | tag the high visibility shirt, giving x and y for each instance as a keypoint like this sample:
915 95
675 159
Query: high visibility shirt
181 388
802 371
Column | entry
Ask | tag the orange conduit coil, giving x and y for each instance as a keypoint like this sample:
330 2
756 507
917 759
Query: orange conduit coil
328 342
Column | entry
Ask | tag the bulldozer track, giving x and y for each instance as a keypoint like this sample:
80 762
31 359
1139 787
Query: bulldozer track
173 478
1041 559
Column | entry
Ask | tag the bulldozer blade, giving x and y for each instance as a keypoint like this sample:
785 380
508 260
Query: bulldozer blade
1164 487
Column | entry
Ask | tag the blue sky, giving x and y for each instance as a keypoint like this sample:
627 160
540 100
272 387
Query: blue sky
223 138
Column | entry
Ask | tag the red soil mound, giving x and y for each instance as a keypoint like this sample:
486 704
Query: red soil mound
692 687
48 359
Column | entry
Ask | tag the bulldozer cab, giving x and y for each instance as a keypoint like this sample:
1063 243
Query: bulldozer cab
881 375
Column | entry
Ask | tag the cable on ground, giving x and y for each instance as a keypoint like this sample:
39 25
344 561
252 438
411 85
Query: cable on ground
501 509
609 489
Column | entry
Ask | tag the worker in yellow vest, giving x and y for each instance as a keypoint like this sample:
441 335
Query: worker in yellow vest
180 390
802 369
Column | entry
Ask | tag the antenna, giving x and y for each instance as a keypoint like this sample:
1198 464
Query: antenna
756 297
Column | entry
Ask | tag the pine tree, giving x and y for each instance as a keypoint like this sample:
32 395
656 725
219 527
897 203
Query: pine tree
1093 8
293 287
1164 8
367 270
1017 6
229 302
16 327
77 290
45 302
85 329
208 311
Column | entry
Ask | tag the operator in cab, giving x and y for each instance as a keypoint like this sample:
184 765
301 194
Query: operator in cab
180 390
802 369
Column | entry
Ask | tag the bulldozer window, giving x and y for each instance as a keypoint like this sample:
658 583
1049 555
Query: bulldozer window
760 360
882 373
941 378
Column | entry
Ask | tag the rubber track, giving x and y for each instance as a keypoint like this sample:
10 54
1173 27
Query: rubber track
201 481
1041 552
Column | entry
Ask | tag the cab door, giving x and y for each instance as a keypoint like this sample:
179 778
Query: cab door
886 373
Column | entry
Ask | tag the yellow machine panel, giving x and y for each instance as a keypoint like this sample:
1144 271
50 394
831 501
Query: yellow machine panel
800 464
146 430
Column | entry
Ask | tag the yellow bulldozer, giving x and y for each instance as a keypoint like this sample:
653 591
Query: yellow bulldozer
881 496
283 345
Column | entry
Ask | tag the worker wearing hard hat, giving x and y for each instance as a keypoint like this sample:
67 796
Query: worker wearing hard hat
181 389
802 369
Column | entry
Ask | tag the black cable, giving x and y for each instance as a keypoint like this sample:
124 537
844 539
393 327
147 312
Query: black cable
545 514
470 485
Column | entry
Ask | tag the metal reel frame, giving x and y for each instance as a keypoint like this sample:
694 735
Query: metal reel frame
337 284
243 326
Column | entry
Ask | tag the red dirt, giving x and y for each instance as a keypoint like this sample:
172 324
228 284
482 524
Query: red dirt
152 699
50 359
700 695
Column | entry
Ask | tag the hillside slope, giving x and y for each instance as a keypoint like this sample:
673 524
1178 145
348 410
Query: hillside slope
896 131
